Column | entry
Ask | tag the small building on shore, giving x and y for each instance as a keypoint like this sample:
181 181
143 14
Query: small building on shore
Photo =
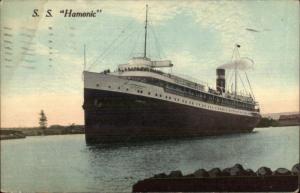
289 120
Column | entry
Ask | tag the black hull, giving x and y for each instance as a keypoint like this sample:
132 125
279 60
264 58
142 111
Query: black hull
119 117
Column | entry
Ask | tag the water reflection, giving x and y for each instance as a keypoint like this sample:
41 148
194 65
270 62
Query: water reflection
128 163
163 142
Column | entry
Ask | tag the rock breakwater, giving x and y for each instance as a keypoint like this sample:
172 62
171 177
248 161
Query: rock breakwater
235 178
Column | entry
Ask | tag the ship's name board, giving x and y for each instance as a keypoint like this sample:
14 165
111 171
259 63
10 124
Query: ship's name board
67 13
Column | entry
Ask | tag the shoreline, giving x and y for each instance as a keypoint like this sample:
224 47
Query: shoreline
21 133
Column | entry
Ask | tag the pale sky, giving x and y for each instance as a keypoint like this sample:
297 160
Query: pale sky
42 57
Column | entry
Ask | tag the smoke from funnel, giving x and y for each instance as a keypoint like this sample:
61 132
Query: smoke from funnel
239 64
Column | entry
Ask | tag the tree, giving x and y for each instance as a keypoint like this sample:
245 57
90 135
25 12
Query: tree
43 120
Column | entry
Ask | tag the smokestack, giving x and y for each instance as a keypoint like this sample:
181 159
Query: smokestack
220 83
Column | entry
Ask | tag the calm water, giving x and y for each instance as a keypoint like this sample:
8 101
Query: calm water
66 163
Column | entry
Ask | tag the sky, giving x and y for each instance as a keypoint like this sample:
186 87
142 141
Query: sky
42 57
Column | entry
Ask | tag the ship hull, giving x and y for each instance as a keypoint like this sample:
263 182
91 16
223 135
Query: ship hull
112 117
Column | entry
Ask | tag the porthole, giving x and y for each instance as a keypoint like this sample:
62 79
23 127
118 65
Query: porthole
160 95
149 93
109 86
127 89
119 88
97 85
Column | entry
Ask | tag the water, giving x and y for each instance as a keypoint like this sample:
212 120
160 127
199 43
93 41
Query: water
66 163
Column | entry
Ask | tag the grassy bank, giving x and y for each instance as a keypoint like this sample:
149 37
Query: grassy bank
16 133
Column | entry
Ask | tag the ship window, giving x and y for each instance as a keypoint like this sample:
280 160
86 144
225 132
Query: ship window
97 85
119 88
141 91
149 93
109 86
166 97
127 89
155 94
160 95
169 97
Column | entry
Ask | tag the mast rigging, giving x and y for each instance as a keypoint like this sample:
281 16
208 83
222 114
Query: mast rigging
146 25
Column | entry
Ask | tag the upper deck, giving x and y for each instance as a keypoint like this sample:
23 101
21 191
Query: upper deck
141 64
144 67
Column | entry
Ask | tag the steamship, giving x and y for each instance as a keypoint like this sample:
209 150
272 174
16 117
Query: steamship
138 101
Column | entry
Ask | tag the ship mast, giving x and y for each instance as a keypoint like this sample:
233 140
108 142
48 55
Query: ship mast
84 60
146 25
235 79
237 55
